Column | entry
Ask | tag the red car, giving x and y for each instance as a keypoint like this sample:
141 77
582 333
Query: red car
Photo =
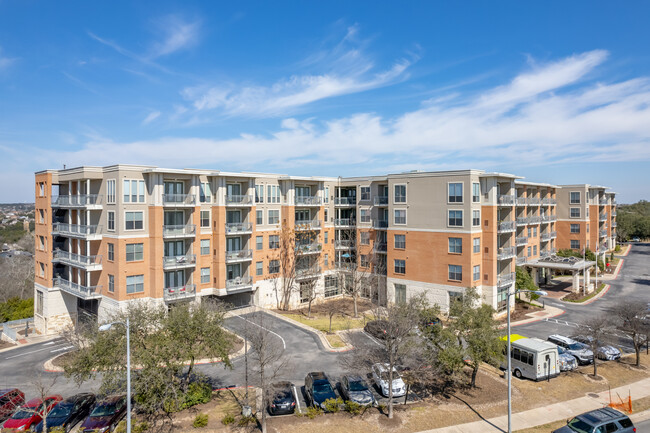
31 414
10 399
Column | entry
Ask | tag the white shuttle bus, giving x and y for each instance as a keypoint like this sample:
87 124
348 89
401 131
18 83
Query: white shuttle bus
533 358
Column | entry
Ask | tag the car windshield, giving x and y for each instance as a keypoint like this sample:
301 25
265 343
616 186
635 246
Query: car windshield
60 410
23 414
575 346
561 350
103 410
580 426
322 388
282 394
384 376
358 385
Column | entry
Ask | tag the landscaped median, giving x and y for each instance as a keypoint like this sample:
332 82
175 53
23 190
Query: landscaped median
579 298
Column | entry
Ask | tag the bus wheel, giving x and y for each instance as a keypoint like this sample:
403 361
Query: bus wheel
518 373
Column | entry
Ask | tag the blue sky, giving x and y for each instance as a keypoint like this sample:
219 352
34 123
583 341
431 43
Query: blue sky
554 91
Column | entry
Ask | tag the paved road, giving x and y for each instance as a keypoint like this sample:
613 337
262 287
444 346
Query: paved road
643 426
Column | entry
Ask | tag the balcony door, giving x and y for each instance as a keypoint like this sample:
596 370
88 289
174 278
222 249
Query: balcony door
175 278
233 216
174 218
233 244
233 271
233 189
303 191
383 190
173 188
174 248
302 216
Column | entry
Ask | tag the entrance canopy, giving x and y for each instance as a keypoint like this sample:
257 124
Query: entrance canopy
560 263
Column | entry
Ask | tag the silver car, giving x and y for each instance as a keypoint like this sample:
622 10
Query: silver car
579 350
606 352
568 362
354 388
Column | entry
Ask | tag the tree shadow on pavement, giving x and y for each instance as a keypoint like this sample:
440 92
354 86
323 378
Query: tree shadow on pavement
478 414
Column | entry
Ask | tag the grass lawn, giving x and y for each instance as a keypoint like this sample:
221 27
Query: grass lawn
322 322
335 340
577 298
342 320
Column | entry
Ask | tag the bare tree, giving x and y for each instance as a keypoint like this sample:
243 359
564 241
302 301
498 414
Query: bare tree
43 387
16 277
308 293
284 280
595 329
629 317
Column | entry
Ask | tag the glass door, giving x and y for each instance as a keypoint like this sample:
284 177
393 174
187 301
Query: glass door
233 244
174 218
174 248
234 271
233 189
175 279
233 216
173 188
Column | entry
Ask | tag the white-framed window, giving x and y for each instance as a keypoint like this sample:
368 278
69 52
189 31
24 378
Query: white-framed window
400 241
274 266
135 284
455 218
574 197
476 218
400 216
365 215
476 192
133 191
455 192
326 236
575 244
111 252
274 216
400 266
456 245
110 191
134 221
364 238
134 252
274 242
476 273
205 193
476 245
259 193
205 219
327 194
259 268
110 216
273 194
529 251
205 275
455 273
259 217
331 286
575 212
205 247
365 193
259 242
364 261
400 194
111 283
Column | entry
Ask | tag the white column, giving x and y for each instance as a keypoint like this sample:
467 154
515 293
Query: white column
576 282
587 276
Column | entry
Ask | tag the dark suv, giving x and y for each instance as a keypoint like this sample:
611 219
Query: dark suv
318 389
10 399
600 420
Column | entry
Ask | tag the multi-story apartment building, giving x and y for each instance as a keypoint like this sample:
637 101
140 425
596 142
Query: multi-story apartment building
108 235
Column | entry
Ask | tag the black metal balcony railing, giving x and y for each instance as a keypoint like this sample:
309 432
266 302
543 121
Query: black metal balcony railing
179 200
380 200
238 228
171 231
180 292
81 200
184 261
345 201
239 200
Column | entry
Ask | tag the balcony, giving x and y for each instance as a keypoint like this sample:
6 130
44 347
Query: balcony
344 244
534 201
85 201
521 201
308 225
239 284
506 226
88 263
549 201
522 221
380 224
308 201
506 279
313 248
602 233
506 200
345 201
179 262
521 260
548 218
237 256
521 241
239 200
613 213
179 231
179 200
603 202
534 220
84 292
310 272
613 224
345 222
506 253
380 200
345 266
602 217
548 236
171 294
380 247
603 248
239 228
91 232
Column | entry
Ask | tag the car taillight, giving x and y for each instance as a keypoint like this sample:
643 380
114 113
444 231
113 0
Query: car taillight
293 403
273 405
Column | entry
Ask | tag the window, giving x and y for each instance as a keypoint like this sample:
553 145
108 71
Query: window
111 283
530 232
273 195
327 194
111 220
455 272
205 218
476 242
41 216
274 216
575 228
534 250
400 194
455 218
110 191
259 217
41 189
205 246
111 252
325 215
331 286
587 227
364 238
365 215
41 270
134 252
365 193
476 192
575 244
400 293
326 236
476 218
133 191
364 261
205 193
456 245
41 243
400 216
134 221
259 268
455 193
135 284
476 273
534 232
259 193
575 212
326 260
529 250
400 266
205 275
574 197
274 266
259 242
274 242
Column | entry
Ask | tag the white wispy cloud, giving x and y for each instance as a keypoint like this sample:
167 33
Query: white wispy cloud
5 62
177 34
151 117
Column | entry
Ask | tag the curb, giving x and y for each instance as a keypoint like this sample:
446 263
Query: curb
17 345
535 319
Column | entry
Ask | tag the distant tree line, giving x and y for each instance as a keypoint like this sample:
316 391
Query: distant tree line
633 220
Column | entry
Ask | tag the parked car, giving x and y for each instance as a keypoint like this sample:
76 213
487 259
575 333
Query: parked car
355 389
106 414
579 350
606 352
318 389
10 399
283 401
380 376
599 420
69 412
377 328
568 362
28 416
636 239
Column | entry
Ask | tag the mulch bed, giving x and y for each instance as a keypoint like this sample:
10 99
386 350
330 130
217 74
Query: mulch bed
5 344
345 306
521 310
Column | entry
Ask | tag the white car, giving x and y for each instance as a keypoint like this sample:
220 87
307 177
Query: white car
380 376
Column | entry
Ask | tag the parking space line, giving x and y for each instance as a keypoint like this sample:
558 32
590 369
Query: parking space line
63 348
284 344
28 353
373 339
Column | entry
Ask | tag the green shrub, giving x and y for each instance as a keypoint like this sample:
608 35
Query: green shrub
201 420
381 407
57 429
313 412
121 427
228 419
617 248
197 393
140 427
246 420
352 407
16 309
333 405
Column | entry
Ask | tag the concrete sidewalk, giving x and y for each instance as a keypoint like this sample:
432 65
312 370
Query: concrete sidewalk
554 412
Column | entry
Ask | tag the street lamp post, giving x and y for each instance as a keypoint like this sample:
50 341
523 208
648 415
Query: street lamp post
126 324
509 371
